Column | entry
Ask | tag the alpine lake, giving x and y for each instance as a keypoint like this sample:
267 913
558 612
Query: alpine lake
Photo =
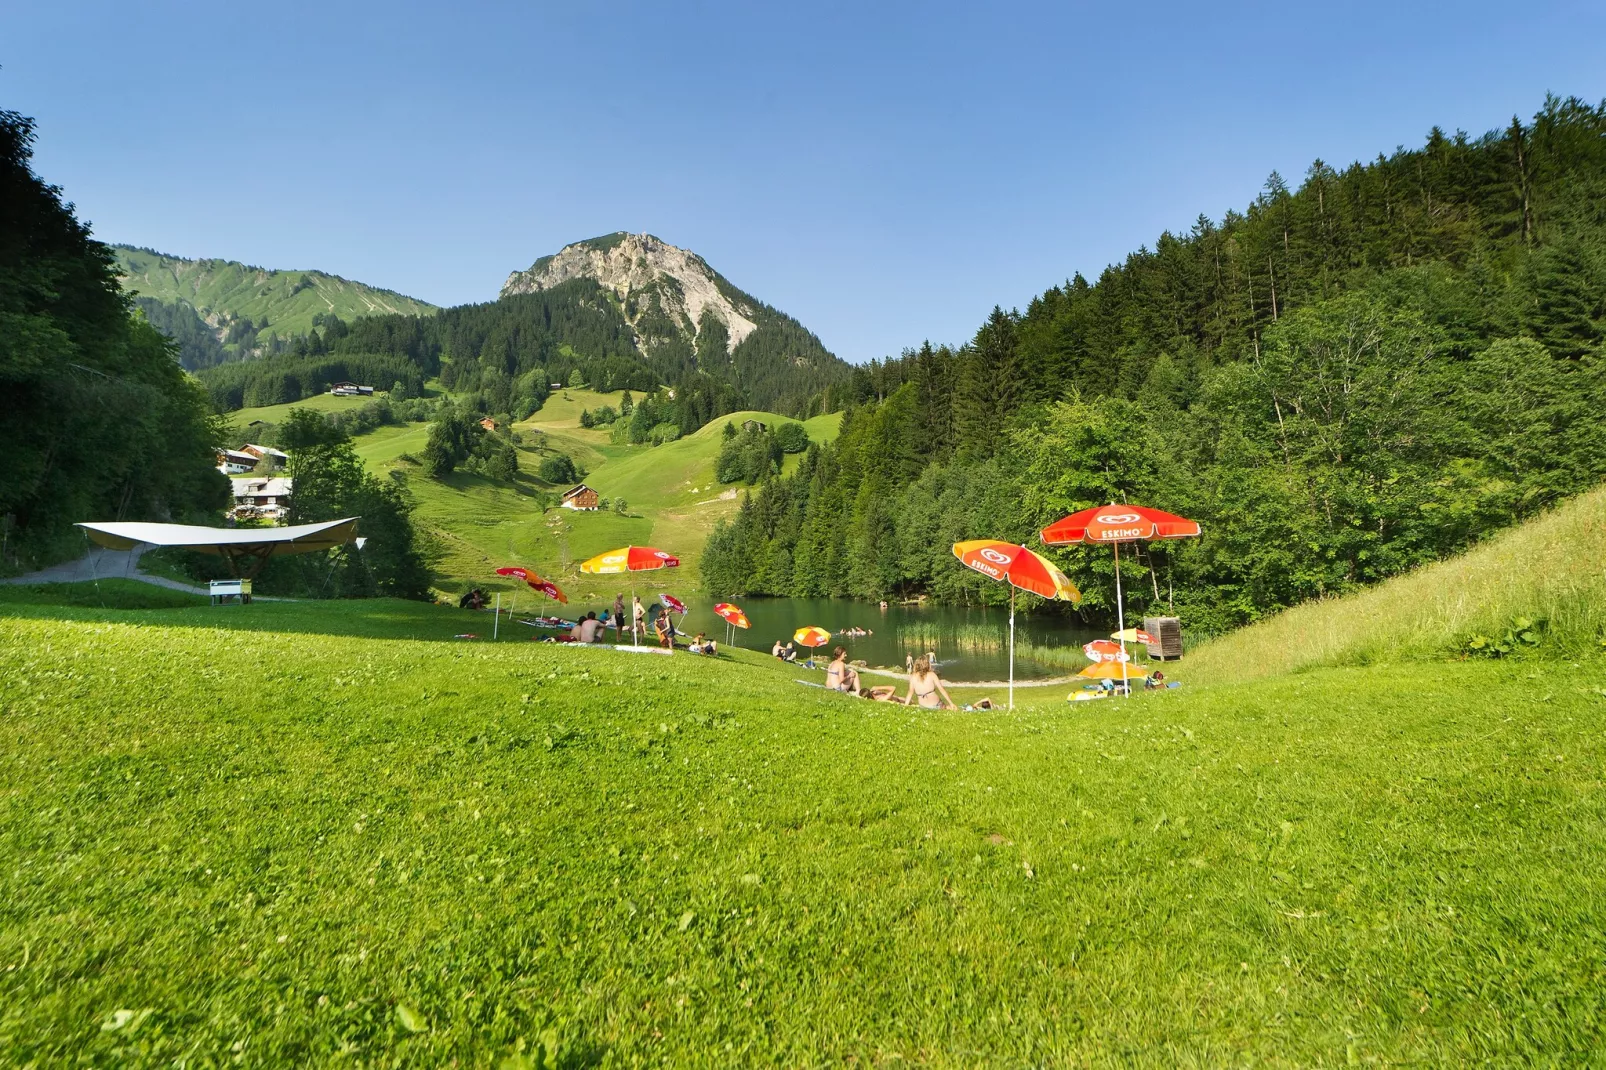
971 644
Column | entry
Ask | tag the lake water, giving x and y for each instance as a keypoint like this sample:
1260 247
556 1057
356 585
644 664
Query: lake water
970 643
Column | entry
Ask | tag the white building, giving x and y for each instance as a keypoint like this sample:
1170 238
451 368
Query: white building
258 498
276 458
233 462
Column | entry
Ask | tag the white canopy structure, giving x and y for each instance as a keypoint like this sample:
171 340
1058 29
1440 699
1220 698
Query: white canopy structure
229 543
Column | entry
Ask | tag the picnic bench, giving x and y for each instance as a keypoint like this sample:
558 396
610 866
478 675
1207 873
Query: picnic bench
224 590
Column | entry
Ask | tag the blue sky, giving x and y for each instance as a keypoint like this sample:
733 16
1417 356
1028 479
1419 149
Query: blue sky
884 172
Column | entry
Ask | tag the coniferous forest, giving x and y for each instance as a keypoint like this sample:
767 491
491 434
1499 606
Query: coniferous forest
511 350
1344 380
97 418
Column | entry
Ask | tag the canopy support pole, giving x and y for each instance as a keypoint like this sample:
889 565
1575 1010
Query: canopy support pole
1012 646
1120 624
496 618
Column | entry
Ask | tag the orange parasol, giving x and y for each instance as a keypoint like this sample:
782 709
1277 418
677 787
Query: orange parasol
546 587
812 636
732 615
1019 567
1114 670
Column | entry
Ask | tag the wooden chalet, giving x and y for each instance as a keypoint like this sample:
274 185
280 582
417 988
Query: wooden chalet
582 498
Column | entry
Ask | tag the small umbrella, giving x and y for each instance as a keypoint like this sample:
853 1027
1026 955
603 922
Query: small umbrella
1117 523
1104 650
629 559
733 617
1019 567
546 587
1114 670
1134 635
812 636
673 603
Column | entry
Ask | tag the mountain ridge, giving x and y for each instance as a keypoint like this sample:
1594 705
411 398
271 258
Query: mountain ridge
621 311
247 309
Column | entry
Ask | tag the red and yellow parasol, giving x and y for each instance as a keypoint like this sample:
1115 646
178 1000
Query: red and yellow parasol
732 615
1104 650
1118 523
1114 524
1019 567
629 559
546 587
811 636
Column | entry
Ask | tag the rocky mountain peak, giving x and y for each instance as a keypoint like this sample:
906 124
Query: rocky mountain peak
651 279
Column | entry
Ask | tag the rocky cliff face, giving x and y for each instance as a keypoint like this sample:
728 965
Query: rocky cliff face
660 287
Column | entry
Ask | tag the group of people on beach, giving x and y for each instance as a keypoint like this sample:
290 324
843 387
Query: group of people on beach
926 689
654 620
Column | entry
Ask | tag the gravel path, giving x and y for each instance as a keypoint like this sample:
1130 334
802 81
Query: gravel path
102 564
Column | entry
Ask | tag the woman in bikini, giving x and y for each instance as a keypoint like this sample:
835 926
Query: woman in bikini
839 676
925 688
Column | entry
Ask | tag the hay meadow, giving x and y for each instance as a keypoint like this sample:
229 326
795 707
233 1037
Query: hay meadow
333 834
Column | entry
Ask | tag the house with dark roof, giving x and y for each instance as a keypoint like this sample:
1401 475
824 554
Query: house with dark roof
581 497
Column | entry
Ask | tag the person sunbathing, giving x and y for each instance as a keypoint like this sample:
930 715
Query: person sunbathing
702 645
839 675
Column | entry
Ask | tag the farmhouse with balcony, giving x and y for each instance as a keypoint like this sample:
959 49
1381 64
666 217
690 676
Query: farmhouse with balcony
581 498
262 498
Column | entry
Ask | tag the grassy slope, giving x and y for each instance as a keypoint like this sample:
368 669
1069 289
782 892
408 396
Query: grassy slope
672 496
675 861
674 484
274 414
213 286
1551 569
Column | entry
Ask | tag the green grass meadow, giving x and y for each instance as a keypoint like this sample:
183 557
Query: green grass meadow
331 834
479 525
1550 572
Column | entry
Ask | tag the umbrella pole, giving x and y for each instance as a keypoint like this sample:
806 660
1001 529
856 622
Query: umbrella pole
1012 646
1120 623
497 619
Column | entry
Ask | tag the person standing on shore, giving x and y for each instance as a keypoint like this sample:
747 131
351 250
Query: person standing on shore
618 617
638 621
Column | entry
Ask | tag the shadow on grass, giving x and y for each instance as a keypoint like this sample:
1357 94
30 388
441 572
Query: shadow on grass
131 602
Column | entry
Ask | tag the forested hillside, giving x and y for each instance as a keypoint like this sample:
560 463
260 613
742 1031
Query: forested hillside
1341 381
246 310
97 419
574 329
